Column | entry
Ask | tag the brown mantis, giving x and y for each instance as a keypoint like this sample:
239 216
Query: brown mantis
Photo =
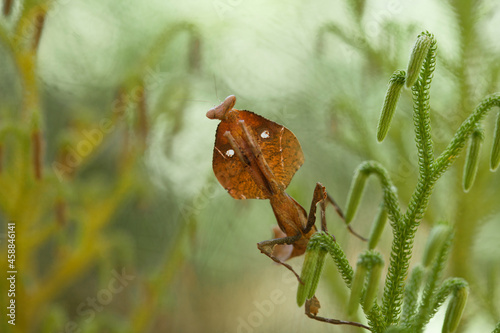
255 158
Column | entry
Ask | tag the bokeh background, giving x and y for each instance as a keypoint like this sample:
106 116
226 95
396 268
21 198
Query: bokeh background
106 154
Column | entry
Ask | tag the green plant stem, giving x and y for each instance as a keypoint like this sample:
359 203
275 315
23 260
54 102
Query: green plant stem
444 291
374 316
425 310
411 295
421 114
450 154
401 252
402 245
338 257
390 196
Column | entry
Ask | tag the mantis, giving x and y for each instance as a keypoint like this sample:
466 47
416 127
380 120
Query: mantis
255 158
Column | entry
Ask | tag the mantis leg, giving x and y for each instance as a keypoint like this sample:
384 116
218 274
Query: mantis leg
311 309
341 214
260 159
267 247
321 196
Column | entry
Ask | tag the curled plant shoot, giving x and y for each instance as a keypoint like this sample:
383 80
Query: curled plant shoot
495 149
396 83
472 159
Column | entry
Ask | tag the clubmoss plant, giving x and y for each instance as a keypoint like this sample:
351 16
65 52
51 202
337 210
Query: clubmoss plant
410 298
49 190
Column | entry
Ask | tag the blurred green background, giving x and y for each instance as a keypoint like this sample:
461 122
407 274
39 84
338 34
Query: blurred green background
121 225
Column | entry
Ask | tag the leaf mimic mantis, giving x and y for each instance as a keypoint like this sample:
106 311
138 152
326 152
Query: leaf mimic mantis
255 158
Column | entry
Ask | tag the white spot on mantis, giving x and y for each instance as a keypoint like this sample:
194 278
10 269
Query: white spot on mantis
265 134
230 153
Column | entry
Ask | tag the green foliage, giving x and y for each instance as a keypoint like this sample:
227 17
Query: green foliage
396 83
311 271
324 240
378 226
426 308
67 200
410 298
358 282
355 194
455 309
403 306
495 149
369 266
419 55
472 159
